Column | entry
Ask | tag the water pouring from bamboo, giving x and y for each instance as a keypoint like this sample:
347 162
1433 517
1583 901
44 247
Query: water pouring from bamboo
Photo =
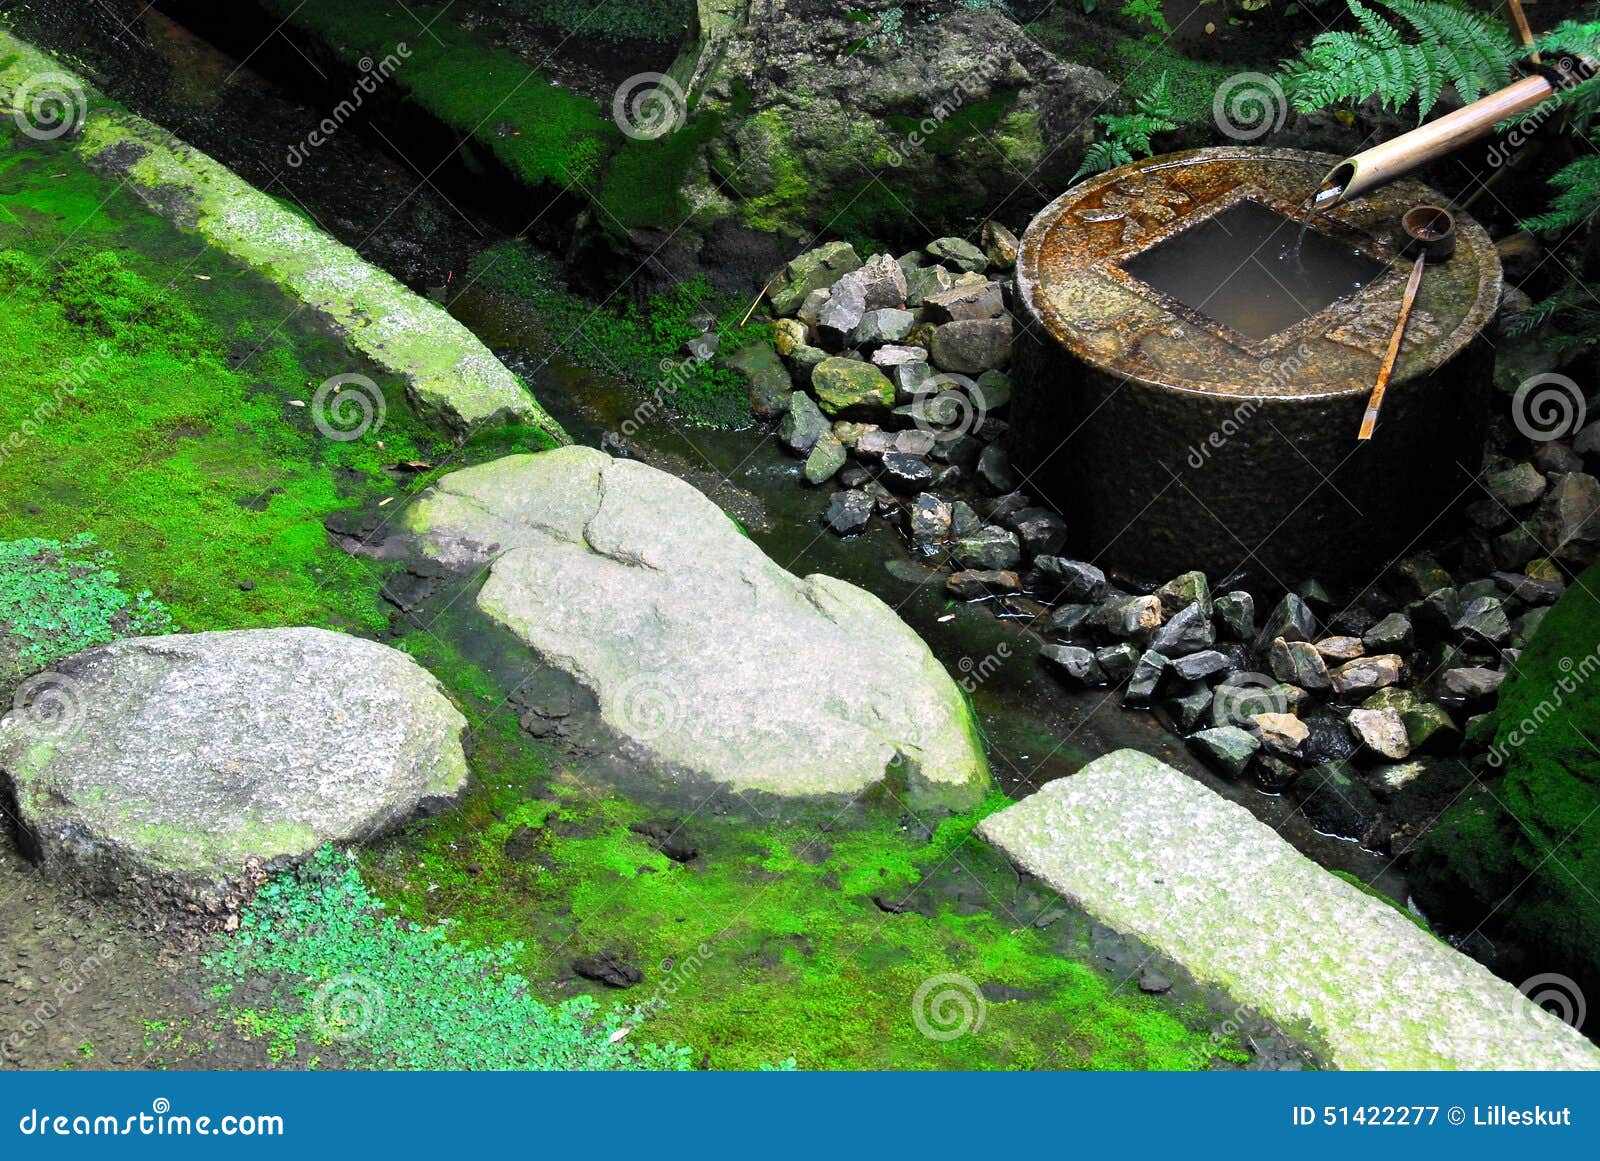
1383 163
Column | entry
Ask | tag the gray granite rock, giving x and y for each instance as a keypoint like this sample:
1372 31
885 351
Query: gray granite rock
180 760
708 660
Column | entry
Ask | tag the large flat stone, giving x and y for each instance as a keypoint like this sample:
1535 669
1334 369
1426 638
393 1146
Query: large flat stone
1155 854
707 658
167 764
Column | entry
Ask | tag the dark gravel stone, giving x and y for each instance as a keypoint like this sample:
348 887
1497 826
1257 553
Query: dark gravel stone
1057 579
1484 619
994 470
1146 677
1334 802
1530 590
607 969
1188 631
988 548
848 512
1076 665
1393 634
1189 709
1237 613
972 584
1118 661
1201 665
1290 619
906 474
1041 531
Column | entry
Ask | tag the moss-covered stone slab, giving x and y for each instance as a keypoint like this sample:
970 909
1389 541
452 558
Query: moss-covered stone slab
451 378
710 662
175 765
1153 853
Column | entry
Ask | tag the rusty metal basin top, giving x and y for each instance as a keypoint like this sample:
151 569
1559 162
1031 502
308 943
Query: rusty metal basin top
1071 271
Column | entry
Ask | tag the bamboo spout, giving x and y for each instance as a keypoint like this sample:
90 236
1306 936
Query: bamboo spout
1381 164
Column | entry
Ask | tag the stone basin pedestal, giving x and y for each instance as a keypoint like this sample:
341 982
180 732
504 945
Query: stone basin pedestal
1173 440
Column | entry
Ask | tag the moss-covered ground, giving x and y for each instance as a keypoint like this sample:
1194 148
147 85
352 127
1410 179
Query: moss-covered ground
159 397
156 393
478 90
1521 857
773 942
640 343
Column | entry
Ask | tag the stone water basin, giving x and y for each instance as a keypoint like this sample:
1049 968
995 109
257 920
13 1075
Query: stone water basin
1179 425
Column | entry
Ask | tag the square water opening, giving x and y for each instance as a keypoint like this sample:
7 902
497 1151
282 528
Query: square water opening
1248 268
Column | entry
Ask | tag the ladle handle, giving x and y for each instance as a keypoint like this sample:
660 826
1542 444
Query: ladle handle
1375 400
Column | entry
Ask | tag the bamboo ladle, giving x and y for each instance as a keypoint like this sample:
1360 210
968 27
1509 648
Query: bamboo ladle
1431 235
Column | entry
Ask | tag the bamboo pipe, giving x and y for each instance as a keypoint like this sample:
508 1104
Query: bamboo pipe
1383 163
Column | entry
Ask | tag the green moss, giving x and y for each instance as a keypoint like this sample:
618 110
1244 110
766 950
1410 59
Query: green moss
1135 64
969 121
769 945
663 21
393 995
556 135
1522 852
643 184
149 397
642 344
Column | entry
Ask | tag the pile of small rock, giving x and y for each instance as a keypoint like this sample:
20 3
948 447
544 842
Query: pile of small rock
888 377
891 383
1346 703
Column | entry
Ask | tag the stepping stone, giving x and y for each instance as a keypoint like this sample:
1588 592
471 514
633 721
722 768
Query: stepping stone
181 761
711 664
1151 852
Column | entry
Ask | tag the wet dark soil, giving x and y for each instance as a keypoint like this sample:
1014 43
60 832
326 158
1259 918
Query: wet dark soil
86 983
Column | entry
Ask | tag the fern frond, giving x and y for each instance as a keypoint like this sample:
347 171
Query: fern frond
1577 197
1103 155
1408 55
1571 298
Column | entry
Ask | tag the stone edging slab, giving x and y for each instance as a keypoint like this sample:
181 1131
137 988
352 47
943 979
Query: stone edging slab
451 378
1154 854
